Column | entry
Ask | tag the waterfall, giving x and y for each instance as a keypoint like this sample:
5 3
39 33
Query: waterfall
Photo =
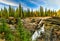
38 32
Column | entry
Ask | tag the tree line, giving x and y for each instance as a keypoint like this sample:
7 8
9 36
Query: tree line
20 12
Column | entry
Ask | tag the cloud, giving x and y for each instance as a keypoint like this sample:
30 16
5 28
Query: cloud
55 4
1 6
34 2
24 6
8 3
39 3
52 4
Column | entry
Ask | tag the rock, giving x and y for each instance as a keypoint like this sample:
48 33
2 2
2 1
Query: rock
11 18
33 20
12 27
48 22
2 39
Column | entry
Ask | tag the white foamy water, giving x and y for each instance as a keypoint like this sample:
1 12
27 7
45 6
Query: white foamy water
38 32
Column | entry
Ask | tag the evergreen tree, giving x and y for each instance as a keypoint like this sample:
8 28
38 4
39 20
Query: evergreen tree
49 12
1 12
11 11
46 14
17 13
6 15
41 11
28 12
24 13
20 10
55 13
32 14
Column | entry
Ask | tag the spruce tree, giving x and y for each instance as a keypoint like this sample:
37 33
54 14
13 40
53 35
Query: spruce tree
6 15
46 14
20 10
11 11
32 14
17 13
28 12
1 12
25 13
49 12
41 11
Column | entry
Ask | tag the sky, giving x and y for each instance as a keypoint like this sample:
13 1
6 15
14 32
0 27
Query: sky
32 4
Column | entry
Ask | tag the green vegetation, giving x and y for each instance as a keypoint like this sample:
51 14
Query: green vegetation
24 34
20 34
5 30
19 12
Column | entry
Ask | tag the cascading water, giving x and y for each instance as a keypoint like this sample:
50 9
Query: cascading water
38 32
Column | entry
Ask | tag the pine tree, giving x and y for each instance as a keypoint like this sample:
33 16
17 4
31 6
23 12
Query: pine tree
41 11
25 13
1 12
20 10
55 13
11 11
28 12
49 12
32 14
6 15
22 13
17 13
46 14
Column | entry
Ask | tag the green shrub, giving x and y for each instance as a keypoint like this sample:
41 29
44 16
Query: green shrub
23 32
7 32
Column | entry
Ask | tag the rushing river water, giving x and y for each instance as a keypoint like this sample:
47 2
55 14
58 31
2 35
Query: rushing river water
38 32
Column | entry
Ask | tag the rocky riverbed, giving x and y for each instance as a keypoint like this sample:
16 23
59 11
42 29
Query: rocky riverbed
49 22
52 26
